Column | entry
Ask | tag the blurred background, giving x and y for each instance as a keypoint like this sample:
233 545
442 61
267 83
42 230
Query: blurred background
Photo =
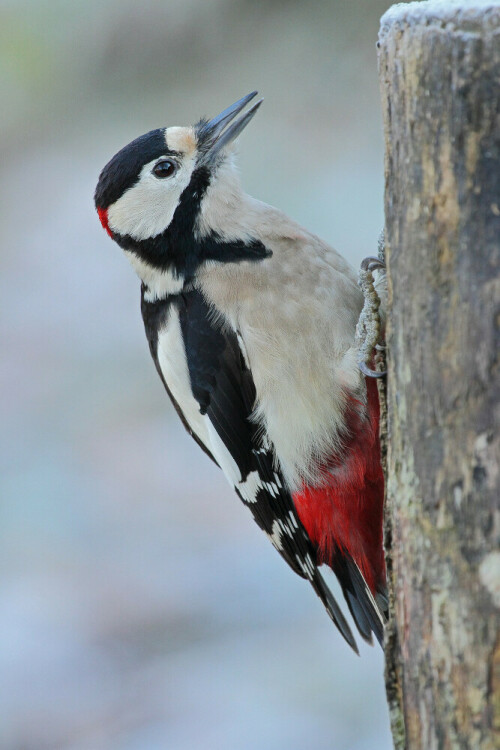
141 608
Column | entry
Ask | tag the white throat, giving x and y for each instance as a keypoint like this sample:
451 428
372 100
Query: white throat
159 284
223 208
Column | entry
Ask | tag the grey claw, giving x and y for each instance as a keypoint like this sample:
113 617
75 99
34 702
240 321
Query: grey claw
380 347
367 262
372 264
369 372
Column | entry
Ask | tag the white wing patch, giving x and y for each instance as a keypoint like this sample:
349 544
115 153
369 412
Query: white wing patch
250 487
222 455
173 364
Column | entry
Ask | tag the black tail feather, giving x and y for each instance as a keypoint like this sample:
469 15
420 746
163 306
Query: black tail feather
333 609
365 601
368 612
358 615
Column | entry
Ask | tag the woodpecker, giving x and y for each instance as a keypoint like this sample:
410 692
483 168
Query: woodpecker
251 323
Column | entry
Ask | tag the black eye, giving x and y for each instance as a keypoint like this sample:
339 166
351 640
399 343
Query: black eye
164 168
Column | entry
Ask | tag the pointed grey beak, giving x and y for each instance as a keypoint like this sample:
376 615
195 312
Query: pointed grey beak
214 135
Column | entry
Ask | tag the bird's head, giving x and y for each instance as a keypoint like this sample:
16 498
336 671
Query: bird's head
149 195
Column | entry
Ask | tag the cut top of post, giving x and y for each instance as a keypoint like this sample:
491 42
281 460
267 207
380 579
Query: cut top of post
470 15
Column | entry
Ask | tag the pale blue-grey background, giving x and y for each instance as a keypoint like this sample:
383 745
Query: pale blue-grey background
141 608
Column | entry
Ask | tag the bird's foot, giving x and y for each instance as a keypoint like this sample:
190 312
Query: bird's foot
368 327
372 264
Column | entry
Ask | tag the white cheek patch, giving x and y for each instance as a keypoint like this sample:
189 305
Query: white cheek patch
147 208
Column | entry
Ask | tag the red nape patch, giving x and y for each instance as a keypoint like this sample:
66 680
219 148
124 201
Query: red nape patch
103 217
346 511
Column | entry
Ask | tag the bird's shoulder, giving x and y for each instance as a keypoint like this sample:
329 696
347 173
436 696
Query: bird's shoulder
298 264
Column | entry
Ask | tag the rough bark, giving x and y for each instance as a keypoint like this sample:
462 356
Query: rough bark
440 81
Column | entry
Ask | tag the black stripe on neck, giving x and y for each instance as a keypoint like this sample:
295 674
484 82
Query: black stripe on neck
176 249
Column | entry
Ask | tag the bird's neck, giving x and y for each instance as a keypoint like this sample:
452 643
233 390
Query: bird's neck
159 283
220 228
226 211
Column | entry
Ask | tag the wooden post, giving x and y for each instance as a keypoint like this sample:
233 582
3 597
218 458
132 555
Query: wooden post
440 81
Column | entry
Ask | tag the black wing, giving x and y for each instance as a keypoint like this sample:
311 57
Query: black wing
223 387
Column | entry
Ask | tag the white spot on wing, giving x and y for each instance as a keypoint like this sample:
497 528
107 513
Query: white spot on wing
281 528
272 488
306 565
249 488
276 534
258 451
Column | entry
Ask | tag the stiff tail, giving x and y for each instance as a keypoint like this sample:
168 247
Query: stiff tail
368 612
333 609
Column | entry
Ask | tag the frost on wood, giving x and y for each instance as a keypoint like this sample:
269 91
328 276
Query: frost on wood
456 13
440 81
